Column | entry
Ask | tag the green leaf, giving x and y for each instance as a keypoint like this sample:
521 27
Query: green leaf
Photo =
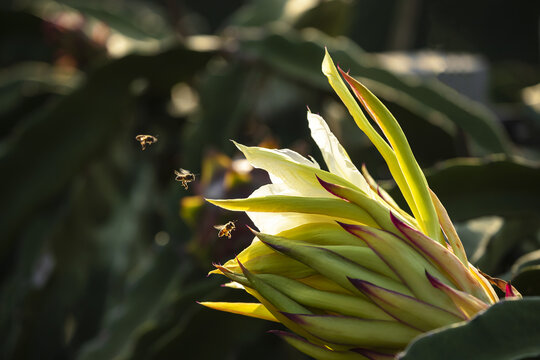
530 259
527 281
137 20
492 252
257 13
507 330
74 130
226 97
145 299
471 188
340 11
298 55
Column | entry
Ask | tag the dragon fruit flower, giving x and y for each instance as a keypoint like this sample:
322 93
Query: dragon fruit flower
336 260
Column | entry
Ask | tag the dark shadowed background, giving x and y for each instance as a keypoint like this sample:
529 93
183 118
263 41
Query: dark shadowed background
104 255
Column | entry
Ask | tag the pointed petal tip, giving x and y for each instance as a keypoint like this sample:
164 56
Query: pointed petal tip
372 354
327 186
239 146
351 228
222 268
277 247
280 333
255 232
398 223
433 280
239 263
285 334
343 225
344 73
293 317
245 271
509 291
361 285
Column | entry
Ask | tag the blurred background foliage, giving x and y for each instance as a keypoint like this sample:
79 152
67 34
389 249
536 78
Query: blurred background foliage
103 254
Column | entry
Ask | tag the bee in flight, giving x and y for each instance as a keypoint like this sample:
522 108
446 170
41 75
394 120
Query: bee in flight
145 140
184 176
225 230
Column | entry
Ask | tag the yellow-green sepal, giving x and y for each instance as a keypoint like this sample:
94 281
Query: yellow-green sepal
407 309
330 264
356 332
324 300
333 208
317 351
254 310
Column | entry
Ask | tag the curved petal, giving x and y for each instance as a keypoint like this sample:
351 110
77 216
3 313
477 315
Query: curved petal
334 154
297 173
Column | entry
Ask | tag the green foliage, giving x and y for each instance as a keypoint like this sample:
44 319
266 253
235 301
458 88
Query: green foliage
84 274
507 330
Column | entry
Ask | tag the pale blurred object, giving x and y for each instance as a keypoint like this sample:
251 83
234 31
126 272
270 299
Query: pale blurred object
465 73
531 97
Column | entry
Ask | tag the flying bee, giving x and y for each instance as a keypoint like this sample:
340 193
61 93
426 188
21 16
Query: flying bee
145 140
225 230
184 176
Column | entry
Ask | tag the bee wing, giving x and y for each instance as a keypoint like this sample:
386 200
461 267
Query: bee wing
219 227
184 171
177 173
139 137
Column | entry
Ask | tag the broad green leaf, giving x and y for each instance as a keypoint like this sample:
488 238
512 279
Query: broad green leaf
492 186
507 330
140 20
297 55
490 255
143 304
527 281
529 259
80 114
226 95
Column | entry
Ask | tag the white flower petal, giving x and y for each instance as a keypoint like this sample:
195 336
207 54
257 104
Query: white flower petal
288 168
334 154
294 156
